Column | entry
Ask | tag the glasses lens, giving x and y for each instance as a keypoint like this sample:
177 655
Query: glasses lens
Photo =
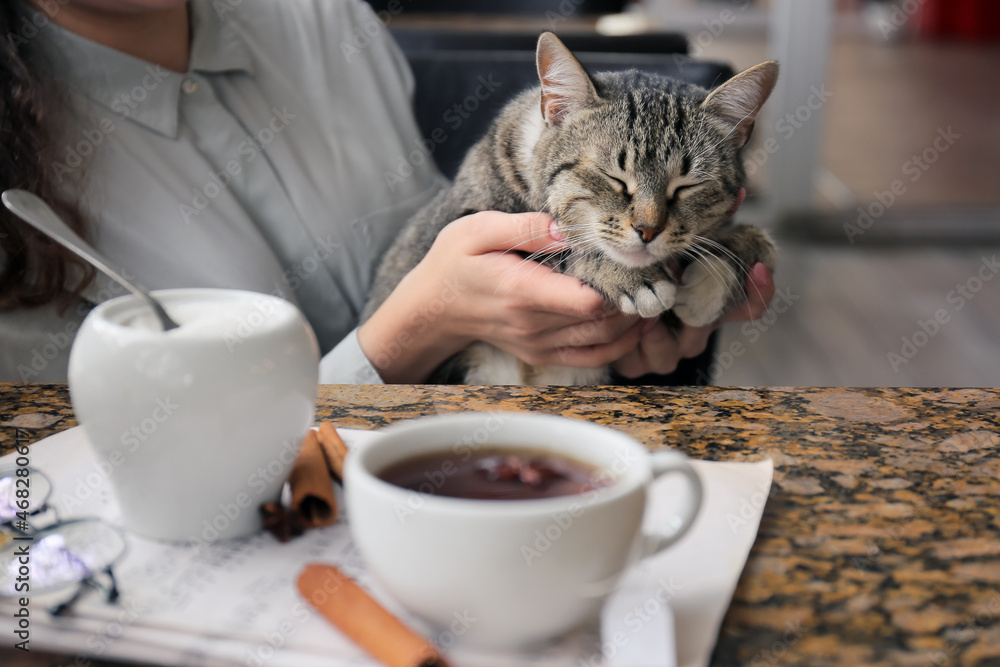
58 557
25 492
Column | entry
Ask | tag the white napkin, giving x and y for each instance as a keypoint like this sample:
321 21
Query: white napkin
647 639
235 603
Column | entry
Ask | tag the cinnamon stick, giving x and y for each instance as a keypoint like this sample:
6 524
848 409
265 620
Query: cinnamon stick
312 488
342 602
333 448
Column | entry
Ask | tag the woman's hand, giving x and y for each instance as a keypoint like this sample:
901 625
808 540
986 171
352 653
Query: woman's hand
659 351
471 286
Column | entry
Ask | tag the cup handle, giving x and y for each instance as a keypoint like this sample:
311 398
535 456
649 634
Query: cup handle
663 463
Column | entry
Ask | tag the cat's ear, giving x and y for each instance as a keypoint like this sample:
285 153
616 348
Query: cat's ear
566 86
738 100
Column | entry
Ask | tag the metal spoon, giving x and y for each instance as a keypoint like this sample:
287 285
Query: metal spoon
34 211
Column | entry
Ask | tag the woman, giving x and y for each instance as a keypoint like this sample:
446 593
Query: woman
245 144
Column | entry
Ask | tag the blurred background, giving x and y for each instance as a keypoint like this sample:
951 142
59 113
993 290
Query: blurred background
876 166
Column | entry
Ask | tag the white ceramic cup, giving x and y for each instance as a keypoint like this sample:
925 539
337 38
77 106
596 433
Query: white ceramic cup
525 570
195 427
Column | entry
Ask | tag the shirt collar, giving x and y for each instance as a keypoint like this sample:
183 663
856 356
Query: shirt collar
217 44
136 89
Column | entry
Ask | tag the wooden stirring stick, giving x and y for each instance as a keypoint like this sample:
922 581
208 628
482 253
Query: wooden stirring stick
342 602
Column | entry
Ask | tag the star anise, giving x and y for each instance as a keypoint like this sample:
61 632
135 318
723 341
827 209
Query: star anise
280 522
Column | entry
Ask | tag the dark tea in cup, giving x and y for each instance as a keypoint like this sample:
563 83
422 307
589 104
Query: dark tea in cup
496 473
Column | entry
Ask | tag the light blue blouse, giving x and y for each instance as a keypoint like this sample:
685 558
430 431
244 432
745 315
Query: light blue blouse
285 161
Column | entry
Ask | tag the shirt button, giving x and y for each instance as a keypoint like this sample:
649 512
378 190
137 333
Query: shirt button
189 86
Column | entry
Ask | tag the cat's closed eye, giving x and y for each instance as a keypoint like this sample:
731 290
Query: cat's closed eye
680 191
620 186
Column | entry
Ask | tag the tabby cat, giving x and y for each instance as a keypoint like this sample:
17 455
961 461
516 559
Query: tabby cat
642 174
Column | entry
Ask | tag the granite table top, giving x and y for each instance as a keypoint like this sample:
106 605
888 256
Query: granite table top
880 541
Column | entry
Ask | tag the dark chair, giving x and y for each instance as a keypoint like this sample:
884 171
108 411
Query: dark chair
412 39
505 7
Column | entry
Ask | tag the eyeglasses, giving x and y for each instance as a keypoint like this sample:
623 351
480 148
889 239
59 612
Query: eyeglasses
44 554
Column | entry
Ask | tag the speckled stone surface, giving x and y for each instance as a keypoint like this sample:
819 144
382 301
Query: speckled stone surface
880 542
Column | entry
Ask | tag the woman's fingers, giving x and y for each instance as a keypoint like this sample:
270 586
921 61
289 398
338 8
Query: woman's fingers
525 283
594 356
692 341
634 364
541 289
599 331
490 231
760 291
659 350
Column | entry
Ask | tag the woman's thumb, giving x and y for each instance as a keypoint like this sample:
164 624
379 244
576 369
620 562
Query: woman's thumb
524 232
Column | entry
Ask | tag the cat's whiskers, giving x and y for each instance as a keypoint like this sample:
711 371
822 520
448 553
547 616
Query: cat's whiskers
547 250
690 255
580 257
551 269
700 241
527 237
517 281
584 244
550 249
581 244
739 262
709 245
700 256
575 259
589 240
712 243
713 269
703 251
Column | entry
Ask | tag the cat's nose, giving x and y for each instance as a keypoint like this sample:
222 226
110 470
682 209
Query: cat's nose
647 234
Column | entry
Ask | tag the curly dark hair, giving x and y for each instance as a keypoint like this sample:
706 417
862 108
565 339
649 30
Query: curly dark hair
34 270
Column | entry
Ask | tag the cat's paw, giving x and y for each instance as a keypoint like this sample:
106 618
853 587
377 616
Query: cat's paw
648 299
704 292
